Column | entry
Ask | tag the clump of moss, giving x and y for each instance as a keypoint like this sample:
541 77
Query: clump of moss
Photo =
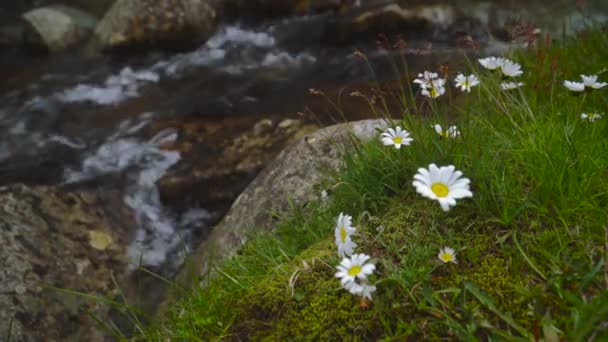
330 316
303 300
495 278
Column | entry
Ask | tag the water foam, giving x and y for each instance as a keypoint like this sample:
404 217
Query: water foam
116 89
144 163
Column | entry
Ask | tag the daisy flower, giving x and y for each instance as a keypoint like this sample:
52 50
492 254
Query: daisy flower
442 184
396 137
447 254
424 79
574 86
435 88
353 288
510 85
355 267
591 117
465 83
343 232
451 132
491 63
591 82
510 68
366 291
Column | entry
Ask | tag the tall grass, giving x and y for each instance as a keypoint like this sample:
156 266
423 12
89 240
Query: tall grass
532 242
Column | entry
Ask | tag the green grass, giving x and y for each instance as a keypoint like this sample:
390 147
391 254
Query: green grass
531 243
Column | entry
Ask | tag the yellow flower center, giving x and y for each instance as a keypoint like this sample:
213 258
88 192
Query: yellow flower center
446 257
434 92
342 234
397 140
440 189
353 271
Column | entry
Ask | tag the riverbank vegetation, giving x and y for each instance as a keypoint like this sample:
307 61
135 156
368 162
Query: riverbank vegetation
530 244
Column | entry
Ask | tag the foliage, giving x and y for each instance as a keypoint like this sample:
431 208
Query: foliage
531 244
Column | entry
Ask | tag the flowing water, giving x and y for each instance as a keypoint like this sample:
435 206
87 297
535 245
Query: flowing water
70 120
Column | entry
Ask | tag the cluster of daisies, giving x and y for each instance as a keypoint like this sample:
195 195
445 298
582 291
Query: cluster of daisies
589 83
508 68
433 86
354 268
443 184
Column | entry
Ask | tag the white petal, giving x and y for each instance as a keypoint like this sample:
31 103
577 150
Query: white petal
426 192
434 173
422 179
446 173
462 183
388 141
574 86
368 269
457 174
444 205
460 193
424 172
438 129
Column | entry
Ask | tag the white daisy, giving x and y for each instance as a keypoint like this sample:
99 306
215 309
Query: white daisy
447 254
353 288
366 291
435 88
451 132
591 82
442 184
343 232
574 86
491 63
510 85
354 268
424 79
465 83
510 68
396 137
591 117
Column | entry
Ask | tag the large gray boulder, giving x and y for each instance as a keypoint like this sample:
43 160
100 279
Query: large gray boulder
56 28
165 24
290 178
53 239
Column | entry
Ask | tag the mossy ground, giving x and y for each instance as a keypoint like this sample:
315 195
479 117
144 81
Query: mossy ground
531 244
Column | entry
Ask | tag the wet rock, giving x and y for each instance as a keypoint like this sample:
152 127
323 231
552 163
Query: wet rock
214 169
55 239
97 8
369 21
287 7
56 28
288 180
165 24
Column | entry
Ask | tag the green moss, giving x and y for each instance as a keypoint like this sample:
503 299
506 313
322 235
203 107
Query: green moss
494 276
302 300
327 317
